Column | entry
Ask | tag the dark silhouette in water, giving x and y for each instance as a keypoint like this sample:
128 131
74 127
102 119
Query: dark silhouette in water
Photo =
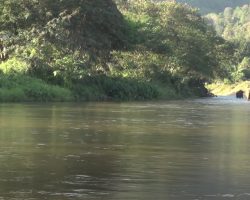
240 94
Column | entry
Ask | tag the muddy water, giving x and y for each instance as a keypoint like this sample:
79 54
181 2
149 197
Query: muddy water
179 150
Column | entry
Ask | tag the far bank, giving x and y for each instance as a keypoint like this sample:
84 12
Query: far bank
22 88
222 89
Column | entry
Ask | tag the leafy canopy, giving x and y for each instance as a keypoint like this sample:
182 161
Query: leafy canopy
177 32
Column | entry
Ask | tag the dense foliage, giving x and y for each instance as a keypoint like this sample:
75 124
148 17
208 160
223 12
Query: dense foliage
176 36
142 50
49 34
234 25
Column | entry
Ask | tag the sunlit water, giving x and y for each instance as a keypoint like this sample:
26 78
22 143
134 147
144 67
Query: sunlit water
180 150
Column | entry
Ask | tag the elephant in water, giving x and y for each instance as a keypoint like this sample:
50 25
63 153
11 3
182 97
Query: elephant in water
240 94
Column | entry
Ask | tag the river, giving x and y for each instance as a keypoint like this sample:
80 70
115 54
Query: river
176 150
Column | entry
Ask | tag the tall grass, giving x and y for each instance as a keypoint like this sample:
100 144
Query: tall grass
14 88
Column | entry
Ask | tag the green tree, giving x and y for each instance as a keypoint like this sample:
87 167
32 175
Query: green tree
180 34
43 31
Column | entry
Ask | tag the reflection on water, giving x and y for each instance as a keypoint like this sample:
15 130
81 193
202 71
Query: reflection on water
180 150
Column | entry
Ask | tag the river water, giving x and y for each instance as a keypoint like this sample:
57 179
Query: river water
177 150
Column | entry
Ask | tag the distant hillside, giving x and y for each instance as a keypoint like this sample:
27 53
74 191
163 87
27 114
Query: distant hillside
232 24
208 6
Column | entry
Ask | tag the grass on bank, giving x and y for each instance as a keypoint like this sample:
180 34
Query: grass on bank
17 85
16 88
22 88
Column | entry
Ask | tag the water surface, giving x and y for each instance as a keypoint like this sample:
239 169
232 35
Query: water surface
177 150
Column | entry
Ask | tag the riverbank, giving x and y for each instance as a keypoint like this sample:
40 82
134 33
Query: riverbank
221 89
22 88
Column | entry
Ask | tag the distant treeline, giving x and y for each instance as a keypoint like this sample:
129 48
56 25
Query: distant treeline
234 26
213 6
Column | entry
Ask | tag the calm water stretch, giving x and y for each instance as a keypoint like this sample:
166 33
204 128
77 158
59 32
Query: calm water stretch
180 150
